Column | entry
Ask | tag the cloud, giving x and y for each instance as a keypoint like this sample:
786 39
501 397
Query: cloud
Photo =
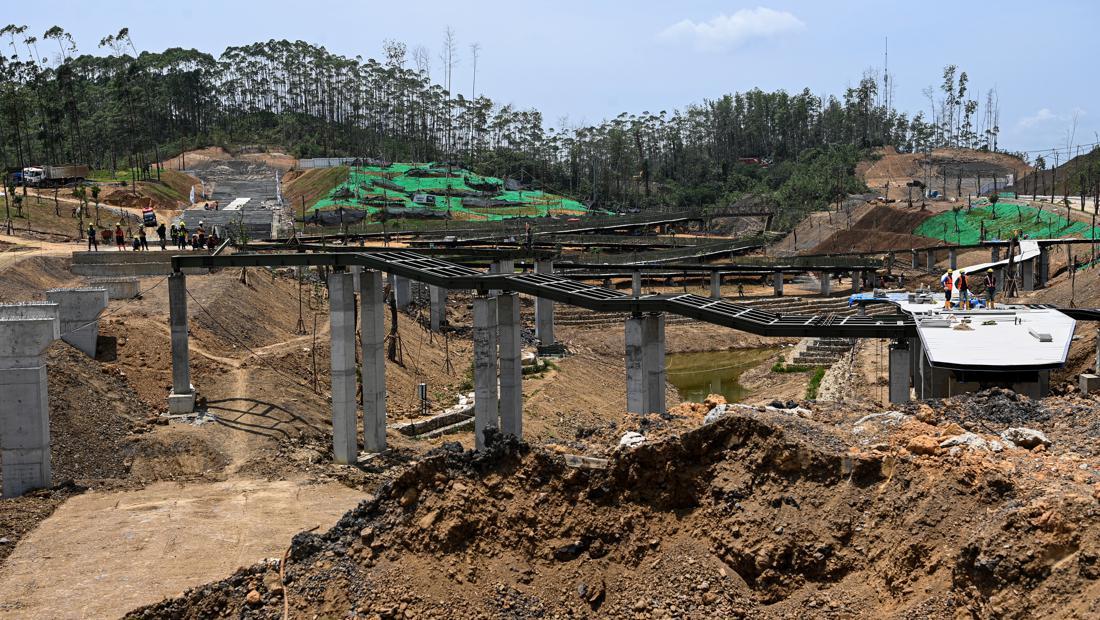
725 32
1040 117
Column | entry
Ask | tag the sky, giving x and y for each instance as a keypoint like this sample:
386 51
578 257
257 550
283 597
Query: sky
584 61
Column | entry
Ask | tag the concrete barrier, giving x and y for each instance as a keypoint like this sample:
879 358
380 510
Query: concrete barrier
118 288
79 310
24 407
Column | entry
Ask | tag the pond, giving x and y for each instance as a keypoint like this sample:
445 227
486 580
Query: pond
695 375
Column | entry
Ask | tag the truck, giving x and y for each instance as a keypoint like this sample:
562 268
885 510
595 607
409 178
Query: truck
42 176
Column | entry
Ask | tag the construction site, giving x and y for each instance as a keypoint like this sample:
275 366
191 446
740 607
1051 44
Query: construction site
519 406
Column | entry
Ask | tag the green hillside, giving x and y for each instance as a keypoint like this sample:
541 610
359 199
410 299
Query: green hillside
1010 215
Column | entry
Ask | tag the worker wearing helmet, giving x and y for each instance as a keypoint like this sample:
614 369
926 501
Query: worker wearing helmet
990 288
945 281
962 290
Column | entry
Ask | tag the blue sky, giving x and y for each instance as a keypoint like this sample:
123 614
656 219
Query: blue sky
592 60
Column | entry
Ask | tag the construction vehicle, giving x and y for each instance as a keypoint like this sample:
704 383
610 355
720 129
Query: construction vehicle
43 176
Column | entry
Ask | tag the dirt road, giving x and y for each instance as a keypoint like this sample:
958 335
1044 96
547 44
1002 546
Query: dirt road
102 554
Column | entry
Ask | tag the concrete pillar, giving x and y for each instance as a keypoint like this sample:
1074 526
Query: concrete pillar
856 277
715 285
826 283
899 372
1027 275
485 367
341 306
505 267
925 390
994 253
777 283
953 258
437 307
636 283
1043 272
355 270
372 334
511 366
635 370
916 259
78 311
653 359
544 308
930 260
914 364
182 397
400 285
24 404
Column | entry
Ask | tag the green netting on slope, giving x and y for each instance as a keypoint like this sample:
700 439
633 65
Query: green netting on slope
1009 217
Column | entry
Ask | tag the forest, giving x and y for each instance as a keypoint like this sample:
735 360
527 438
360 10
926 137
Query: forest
121 109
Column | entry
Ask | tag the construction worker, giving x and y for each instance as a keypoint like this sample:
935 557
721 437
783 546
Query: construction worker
93 238
120 237
945 282
962 288
990 288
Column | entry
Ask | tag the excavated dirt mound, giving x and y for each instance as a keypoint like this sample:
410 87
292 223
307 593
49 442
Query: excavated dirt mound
880 228
765 513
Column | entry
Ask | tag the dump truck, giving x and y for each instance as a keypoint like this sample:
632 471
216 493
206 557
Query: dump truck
41 176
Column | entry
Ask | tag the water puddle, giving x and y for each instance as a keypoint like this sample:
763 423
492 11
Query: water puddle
695 375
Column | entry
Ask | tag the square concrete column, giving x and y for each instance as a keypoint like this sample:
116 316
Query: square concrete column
636 283
777 283
857 277
341 307
826 283
372 334
994 253
916 259
653 358
1043 272
504 267
437 299
79 310
635 369
511 367
182 397
1027 275
914 364
930 260
953 258
715 285
899 372
355 270
544 308
486 412
24 402
401 291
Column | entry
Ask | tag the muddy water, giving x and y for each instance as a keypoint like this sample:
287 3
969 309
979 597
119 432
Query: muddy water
695 375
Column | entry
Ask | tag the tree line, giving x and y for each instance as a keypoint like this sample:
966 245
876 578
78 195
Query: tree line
123 109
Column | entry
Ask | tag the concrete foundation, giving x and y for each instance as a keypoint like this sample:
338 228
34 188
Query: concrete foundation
645 364
777 283
511 366
485 367
899 372
118 288
544 309
715 285
438 307
182 397
341 301
1089 383
372 333
24 404
78 311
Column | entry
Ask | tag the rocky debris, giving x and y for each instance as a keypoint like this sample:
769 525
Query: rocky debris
972 441
1025 437
716 413
995 405
631 439
923 444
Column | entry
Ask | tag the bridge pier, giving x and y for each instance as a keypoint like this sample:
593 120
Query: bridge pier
857 278
341 305
486 410
504 266
372 334
899 372
715 285
401 291
182 397
930 260
953 258
994 253
916 259
645 363
24 406
777 283
437 307
636 283
544 308
826 283
1043 272
1027 275
511 369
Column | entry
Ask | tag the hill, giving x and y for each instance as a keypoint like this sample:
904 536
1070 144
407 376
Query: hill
966 170
1080 172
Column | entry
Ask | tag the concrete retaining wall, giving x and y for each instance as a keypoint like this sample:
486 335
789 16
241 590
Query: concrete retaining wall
79 310
118 288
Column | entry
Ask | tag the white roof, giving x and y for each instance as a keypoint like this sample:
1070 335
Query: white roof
1028 250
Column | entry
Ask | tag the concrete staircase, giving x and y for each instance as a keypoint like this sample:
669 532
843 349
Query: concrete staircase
112 263
823 351
258 221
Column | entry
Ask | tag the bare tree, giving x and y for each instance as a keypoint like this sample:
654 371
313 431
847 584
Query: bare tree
475 49
423 60
448 55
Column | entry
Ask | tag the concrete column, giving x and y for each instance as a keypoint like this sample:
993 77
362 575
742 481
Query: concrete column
994 253
715 285
400 285
930 260
856 277
372 334
1027 275
826 283
79 310
355 271
1043 273
653 359
635 370
925 376
438 307
24 406
916 259
182 397
485 367
899 372
914 364
544 308
511 367
341 306
505 267
636 283
777 283
953 258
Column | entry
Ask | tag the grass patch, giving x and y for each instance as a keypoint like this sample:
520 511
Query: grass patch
782 367
815 383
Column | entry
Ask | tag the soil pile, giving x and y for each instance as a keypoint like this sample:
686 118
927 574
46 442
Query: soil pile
879 228
764 513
